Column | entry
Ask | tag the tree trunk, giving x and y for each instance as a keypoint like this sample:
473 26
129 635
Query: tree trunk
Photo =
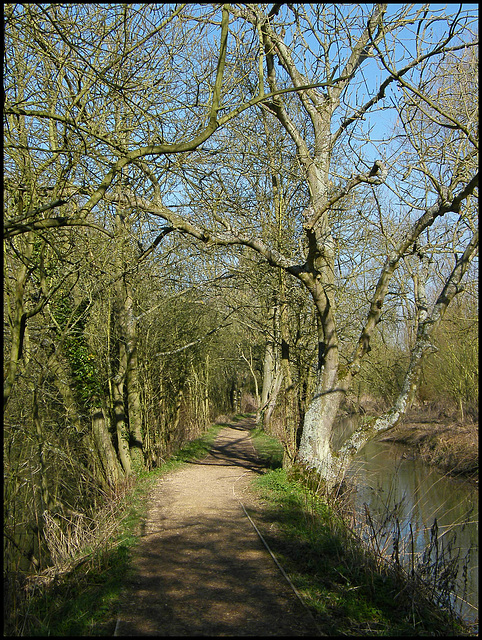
290 413
128 352
18 322
315 446
269 374
122 429
177 413
207 416
135 409
111 470
273 397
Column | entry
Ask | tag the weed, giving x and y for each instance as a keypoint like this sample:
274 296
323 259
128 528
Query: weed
348 589
80 593
431 574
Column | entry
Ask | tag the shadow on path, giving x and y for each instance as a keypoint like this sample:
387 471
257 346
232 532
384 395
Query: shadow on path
200 568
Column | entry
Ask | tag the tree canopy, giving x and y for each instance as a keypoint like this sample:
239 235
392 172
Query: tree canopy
202 199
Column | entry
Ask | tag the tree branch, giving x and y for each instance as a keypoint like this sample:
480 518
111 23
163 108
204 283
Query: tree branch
440 208
12 229
197 341
376 176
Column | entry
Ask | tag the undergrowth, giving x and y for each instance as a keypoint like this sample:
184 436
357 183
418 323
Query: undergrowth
344 585
80 597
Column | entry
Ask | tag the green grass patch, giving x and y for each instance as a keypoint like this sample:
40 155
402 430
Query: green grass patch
85 600
269 449
347 591
239 416
193 450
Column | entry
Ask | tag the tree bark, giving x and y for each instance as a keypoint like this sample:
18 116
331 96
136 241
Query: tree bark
18 321
128 375
269 373
273 397
111 470
290 412
133 392
333 465
122 429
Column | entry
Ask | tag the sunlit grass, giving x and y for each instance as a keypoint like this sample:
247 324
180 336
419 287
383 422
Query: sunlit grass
269 449
347 591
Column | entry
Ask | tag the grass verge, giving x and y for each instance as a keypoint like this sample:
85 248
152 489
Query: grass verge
269 449
347 590
83 599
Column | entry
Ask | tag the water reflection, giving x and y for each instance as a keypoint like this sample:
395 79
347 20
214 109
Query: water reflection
391 481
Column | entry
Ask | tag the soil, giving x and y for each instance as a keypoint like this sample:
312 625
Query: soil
200 568
441 441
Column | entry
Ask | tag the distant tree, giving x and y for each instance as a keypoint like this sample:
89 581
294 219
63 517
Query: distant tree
230 129
451 373
340 44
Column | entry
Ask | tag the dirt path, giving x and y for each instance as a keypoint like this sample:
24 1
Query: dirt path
200 567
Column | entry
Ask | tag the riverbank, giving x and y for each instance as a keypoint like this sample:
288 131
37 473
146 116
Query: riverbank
346 590
441 441
351 588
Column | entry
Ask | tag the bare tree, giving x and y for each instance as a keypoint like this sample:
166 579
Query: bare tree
126 123
337 43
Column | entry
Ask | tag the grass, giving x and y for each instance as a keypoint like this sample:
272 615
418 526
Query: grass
347 590
83 599
269 449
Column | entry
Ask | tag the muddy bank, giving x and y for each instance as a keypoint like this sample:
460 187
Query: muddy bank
451 446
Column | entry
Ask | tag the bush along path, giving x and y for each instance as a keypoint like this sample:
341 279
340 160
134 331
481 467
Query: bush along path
200 567
221 541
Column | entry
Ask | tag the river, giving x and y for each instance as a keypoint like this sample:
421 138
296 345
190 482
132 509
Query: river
389 479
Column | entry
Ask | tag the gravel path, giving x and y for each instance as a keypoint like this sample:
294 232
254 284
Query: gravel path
200 568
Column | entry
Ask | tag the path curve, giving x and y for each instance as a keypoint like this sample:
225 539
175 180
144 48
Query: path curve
200 568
